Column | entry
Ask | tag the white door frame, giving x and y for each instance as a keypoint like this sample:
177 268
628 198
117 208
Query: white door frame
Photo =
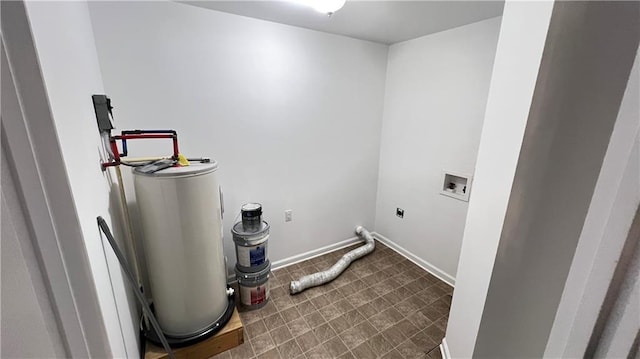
28 128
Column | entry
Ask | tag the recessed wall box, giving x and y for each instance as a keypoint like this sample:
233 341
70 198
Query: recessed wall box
456 185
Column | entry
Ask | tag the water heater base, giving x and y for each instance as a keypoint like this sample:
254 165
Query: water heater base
179 342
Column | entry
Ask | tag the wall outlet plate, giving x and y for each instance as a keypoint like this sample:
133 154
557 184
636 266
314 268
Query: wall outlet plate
400 212
288 215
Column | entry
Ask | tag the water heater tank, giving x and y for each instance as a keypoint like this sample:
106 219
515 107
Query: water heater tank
181 216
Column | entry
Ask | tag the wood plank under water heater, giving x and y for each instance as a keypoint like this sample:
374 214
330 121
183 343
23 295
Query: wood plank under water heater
229 337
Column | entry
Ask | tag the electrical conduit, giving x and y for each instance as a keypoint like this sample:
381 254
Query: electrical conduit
332 273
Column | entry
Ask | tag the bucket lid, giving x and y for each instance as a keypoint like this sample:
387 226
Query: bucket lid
262 274
181 171
239 233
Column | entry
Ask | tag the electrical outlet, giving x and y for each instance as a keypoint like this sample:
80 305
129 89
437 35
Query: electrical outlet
288 215
400 212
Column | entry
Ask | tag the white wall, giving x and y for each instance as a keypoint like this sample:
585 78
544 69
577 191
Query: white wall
515 72
529 251
588 54
292 115
619 337
611 211
69 65
436 93
26 306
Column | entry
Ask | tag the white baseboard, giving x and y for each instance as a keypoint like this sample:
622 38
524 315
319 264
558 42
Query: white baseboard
314 253
353 240
440 274
307 255
444 349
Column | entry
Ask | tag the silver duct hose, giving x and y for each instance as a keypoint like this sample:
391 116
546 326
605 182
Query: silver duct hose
332 273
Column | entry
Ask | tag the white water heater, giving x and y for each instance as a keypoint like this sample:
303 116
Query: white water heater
181 215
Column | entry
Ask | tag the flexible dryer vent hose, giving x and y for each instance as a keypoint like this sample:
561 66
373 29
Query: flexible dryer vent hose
332 273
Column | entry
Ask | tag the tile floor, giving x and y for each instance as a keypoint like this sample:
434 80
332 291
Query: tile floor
382 306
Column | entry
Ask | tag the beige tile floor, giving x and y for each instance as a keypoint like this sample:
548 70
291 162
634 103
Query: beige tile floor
382 306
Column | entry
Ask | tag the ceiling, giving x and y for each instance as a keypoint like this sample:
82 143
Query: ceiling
384 22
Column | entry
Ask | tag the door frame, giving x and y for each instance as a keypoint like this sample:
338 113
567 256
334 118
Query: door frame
29 130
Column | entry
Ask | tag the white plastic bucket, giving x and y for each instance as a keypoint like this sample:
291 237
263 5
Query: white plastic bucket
254 287
251 247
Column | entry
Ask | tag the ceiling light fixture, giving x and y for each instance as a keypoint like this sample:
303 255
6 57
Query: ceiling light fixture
323 6
327 6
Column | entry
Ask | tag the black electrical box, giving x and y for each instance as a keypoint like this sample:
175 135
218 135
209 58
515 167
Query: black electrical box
102 107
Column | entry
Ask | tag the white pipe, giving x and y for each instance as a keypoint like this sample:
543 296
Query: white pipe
107 145
332 273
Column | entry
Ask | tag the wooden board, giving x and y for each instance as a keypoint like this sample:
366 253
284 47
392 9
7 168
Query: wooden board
230 336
